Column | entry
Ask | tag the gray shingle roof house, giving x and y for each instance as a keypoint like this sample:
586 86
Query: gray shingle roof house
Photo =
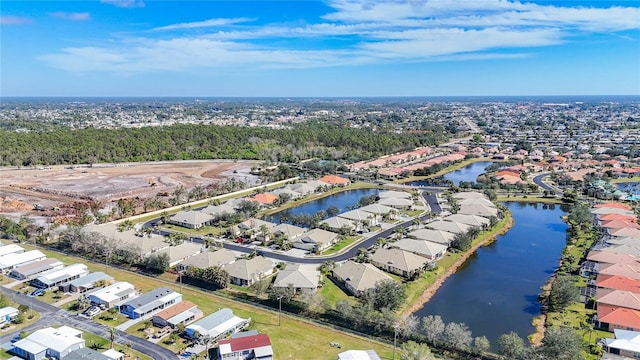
428 249
378 209
207 259
398 261
478 209
303 278
84 283
358 215
32 269
437 236
191 219
315 239
336 223
181 252
290 231
147 303
394 194
53 278
449 226
469 195
358 277
397 203
245 272
472 220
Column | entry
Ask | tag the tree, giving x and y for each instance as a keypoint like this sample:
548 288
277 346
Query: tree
386 294
433 328
561 344
157 262
362 256
412 350
481 344
563 293
82 303
458 336
23 308
326 267
511 345
407 325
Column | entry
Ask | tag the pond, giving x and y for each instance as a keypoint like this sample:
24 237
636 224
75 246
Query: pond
468 173
342 201
496 290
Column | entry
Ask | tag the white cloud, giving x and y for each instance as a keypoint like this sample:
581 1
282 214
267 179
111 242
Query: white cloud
125 3
71 16
355 32
205 23
14 20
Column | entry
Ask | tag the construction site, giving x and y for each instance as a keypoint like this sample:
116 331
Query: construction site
51 190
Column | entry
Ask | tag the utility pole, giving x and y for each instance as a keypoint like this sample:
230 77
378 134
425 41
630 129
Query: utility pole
395 337
279 309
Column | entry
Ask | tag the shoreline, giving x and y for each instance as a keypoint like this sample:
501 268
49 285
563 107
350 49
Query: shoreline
431 289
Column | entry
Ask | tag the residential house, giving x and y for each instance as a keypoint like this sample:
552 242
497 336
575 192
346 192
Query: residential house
12 261
251 228
471 220
208 259
396 203
264 199
10 249
191 219
616 282
379 210
303 278
626 344
436 236
112 295
631 249
291 232
398 261
228 207
610 300
86 354
246 347
394 194
478 209
154 300
245 272
361 217
217 326
334 180
606 256
30 270
49 343
620 318
113 354
469 195
626 270
52 278
449 226
315 240
613 205
85 283
183 312
181 252
338 224
358 277
8 314
606 210
430 250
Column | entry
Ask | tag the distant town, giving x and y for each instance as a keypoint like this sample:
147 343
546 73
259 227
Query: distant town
319 228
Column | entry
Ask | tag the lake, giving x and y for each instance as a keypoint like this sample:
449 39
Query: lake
496 290
467 173
341 200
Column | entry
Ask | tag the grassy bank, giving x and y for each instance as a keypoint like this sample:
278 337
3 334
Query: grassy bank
448 169
529 199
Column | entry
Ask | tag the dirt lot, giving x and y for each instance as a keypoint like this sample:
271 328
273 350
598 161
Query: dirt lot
56 185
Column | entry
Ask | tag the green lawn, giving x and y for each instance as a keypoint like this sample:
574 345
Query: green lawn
100 344
332 293
296 339
341 245
110 319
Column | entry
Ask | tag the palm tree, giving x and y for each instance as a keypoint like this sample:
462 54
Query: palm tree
112 335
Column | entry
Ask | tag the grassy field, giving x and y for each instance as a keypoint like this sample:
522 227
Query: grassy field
341 245
625 180
332 293
297 338
100 344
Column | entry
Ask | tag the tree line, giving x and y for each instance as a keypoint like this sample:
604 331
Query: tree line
63 145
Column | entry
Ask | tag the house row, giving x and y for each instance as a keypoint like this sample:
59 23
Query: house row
11 261
613 268
63 343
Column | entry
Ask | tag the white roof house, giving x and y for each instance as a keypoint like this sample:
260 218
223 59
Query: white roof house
29 270
290 231
154 300
398 203
358 355
437 236
207 259
377 209
217 325
394 194
398 261
10 261
181 252
359 277
52 342
245 272
10 249
478 209
7 314
54 277
112 295
469 195
315 239
336 223
472 220
626 343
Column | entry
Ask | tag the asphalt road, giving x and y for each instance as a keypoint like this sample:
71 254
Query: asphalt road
538 181
51 315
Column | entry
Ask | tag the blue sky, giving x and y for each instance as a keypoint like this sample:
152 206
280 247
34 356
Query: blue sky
313 48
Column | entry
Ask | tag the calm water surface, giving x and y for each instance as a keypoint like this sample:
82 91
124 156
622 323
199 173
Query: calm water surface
467 173
496 290
341 200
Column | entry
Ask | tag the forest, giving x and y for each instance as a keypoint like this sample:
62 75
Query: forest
331 141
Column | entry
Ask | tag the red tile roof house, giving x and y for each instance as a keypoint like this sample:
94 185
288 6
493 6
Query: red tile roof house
614 205
621 318
256 347
610 300
335 180
616 282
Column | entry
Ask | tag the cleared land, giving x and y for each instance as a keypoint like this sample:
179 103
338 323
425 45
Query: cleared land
57 185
